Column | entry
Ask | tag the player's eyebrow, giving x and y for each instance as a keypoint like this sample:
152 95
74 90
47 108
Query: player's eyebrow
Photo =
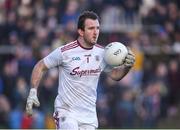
91 27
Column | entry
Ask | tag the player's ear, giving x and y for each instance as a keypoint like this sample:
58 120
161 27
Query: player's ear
80 32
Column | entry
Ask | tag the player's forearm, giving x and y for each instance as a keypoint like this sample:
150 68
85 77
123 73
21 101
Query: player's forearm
118 73
37 74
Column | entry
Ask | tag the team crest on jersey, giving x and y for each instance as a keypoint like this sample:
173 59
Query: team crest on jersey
97 58
63 119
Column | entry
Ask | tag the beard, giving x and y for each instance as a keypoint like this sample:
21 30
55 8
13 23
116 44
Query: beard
90 42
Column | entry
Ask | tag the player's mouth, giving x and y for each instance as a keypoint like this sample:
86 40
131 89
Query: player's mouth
95 38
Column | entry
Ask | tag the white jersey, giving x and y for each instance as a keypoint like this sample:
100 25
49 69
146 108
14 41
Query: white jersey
79 71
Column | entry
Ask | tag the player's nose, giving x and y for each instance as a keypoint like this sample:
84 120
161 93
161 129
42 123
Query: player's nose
96 31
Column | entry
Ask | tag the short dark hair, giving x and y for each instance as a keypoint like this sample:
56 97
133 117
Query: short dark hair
86 15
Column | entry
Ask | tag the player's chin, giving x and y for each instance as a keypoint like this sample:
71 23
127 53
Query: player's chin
94 42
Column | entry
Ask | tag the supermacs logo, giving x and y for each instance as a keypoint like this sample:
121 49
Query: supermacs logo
92 72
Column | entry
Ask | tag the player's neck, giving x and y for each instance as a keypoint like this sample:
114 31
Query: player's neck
84 44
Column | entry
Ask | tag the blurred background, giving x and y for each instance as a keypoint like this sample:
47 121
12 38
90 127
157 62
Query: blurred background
148 97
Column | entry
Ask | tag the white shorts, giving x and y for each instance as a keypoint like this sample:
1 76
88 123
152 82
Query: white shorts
64 121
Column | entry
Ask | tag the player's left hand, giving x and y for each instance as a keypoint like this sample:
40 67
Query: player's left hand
130 59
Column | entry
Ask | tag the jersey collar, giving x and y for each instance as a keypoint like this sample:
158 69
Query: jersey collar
83 47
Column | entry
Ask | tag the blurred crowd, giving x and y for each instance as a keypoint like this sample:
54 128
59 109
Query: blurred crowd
31 29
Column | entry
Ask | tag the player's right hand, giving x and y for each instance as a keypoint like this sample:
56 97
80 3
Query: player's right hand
32 100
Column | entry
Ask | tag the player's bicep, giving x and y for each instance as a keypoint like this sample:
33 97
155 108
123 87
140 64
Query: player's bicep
113 73
42 65
53 59
117 73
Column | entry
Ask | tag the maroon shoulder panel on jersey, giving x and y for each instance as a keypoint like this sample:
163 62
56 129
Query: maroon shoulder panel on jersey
69 46
97 45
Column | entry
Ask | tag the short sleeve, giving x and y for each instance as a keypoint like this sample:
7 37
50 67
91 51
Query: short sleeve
54 58
106 68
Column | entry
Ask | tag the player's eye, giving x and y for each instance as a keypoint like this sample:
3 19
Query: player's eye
91 28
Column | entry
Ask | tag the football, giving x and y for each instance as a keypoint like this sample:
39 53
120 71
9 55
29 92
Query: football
115 53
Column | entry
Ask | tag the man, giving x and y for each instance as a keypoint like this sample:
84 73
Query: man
81 63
